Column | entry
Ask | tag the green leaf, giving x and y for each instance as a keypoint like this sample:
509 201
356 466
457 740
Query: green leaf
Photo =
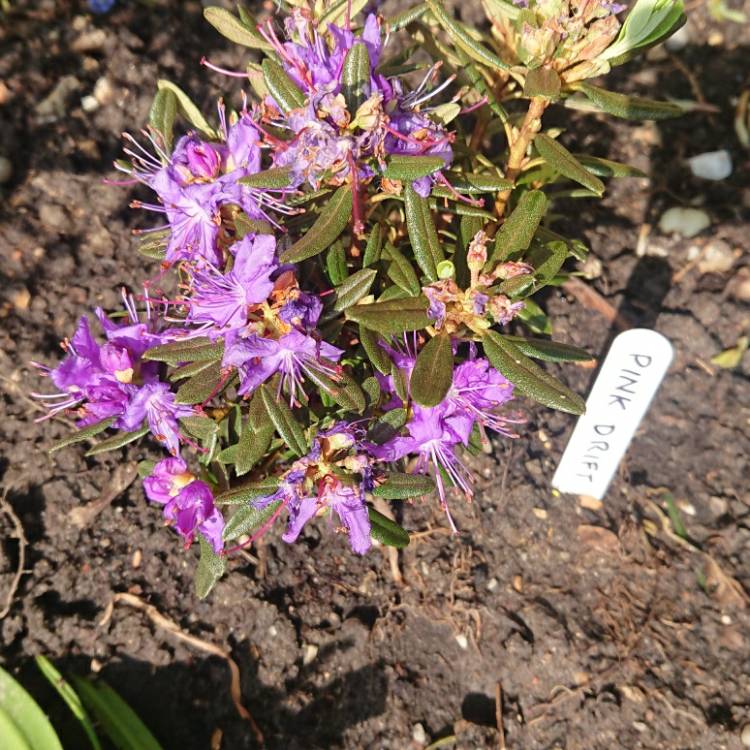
202 386
284 422
83 434
336 263
345 392
274 178
188 370
355 287
248 492
23 724
251 448
337 12
211 567
248 519
355 76
462 39
200 427
162 115
334 217
386 531
519 228
154 246
375 353
410 168
401 273
234 29
543 82
282 88
406 17
606 168
117 441
516 286
557 156
68 694
244 225
404 486
373 247
534 317
393 316
432 376
630 107
731 358
371 387
188 109
190 350
388 426
471 184
422 233
119 721
528 378
547 260
549 351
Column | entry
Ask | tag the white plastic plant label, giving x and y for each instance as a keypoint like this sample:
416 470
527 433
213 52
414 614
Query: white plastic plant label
626 384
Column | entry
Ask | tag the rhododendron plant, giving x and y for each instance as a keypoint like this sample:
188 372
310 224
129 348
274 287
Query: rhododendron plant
348 258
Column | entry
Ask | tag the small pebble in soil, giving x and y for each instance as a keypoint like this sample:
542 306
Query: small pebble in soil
718 257
55 105
6 169
492 584
462 641
712 165
740 285
745 735
687 222
103 91
309 652
89 104
419 735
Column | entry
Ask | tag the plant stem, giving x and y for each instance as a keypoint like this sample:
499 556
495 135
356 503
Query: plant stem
531 125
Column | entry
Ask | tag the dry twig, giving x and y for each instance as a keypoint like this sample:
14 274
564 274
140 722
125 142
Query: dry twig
122 478
158 619
6 508
499 716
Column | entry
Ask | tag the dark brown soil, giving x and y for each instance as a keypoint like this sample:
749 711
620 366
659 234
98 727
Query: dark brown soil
601 627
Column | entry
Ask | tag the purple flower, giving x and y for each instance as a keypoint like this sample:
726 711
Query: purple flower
221 301
292 356
188 502
348 503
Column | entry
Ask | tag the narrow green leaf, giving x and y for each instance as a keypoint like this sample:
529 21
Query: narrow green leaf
83 434
535 318
516 286
248 492
118 720
162 116
202 386
68 694
401 273
334 217
336 13
355 76
23 724
251 448
630 107
235 29
519 228
274 178
355 287
404 486
527 377
547 260
248 519
371 387
284 422
117 441
405 167
549 351
557 156
386 531
606 168
422 233
373 247
283 89
188 370
432 376
388 426
200 427
211 567
403 19
190 350
471 184
154 246
393 316
336 263
375 353
188 109
462 39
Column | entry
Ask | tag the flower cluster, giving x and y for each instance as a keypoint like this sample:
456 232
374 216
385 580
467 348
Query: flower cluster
340 260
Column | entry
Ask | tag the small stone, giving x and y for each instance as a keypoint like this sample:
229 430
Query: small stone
6 170
715 39
90 41
309 652
55 105
492 584
20 298
89 104
745 735
712 165
740 285
718 505
540 513
680 39
462 641
718 257
590 503
518 584
54 216
103 91
137 559
419 735
687 222
5 93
